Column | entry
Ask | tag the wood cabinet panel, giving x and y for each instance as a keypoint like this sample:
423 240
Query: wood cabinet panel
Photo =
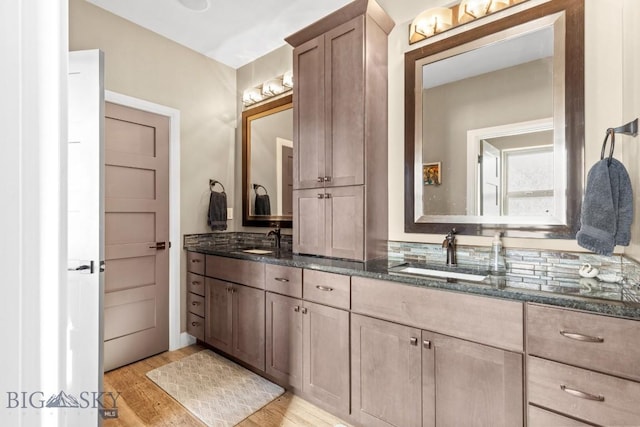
485 320
284 339
539 417
587 340
309 114
195 262
195 326
195 283
195 304
344 109
465 384
248 273
344 222
385 369
218 319
326 355
584 394
284 280
248 325
327 288
309 234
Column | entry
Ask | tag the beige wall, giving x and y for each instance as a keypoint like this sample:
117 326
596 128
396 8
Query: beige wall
603 100
145 65
271 65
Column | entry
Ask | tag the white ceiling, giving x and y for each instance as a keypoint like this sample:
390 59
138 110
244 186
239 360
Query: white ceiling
236 32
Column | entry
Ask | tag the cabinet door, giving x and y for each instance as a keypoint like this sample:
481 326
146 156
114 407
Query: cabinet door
465 384
308 230
309 115
326 355
344 105
248 325
217 329
344 222
386 381
284 339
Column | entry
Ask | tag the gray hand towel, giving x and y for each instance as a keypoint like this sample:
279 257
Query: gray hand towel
607 209
262 204
217 218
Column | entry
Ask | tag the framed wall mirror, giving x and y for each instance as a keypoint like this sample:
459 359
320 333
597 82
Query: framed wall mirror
494 127
267 164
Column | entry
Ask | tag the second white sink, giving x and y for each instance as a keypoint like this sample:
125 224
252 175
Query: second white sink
444 274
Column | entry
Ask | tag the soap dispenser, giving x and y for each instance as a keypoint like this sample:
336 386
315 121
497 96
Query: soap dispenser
497 264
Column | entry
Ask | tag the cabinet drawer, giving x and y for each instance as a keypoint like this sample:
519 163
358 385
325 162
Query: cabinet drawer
327 288
195 304
195 262
584 394
195 326
538 417
587 340
195 284
484 320
284 280
240 271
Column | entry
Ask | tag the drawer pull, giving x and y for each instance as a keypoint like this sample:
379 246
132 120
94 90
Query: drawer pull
581 394
413 341
195 303
280 279
195 283
580 337
324 288
426 344
195 324
195 261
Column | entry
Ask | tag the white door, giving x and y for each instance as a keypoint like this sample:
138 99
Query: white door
85 232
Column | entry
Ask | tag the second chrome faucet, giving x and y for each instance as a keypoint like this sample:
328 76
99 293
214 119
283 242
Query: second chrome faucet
450 244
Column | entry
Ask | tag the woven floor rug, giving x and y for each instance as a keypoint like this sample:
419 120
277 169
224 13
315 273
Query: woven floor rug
217 391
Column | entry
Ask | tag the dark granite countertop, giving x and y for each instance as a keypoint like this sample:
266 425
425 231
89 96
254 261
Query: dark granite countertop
594 296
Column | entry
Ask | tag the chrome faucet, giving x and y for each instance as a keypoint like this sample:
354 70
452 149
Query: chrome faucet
450 243
276 233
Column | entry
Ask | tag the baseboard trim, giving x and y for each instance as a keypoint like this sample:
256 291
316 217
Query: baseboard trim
185 341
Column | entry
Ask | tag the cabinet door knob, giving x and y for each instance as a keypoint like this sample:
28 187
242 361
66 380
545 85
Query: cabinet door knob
327 179
320 179
414 341
426 344
327 196
304 310
581 394
580 337
296 308
320 196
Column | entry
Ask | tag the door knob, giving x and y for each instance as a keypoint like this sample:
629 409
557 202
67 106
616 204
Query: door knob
160 246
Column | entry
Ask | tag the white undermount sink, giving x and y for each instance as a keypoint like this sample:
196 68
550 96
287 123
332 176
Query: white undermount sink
444 274
257 251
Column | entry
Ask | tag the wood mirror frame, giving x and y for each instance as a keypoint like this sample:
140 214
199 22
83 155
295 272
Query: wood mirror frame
248 220
574 122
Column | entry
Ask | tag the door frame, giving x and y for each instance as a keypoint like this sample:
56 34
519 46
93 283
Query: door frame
176 338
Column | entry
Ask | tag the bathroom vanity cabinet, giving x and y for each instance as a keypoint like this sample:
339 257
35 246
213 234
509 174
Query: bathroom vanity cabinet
340 133
235 312
308 342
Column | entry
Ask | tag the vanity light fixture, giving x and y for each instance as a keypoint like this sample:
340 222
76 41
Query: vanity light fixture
272 87
432 21
438 19
474 9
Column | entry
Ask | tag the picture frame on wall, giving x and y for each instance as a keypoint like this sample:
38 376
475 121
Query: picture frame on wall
432 173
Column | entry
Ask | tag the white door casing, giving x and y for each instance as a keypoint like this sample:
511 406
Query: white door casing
85 230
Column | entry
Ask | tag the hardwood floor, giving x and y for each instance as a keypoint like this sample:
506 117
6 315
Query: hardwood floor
143 403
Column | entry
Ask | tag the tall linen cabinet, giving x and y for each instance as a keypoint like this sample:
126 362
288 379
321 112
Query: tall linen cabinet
340 200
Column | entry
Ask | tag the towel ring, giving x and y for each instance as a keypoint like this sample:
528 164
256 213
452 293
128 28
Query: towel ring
257 186
611 132
213 182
